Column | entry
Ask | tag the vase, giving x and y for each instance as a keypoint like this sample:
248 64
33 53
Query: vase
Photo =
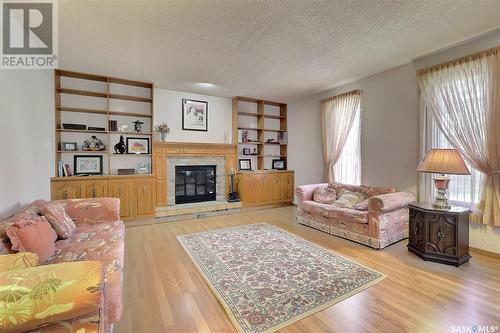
163 136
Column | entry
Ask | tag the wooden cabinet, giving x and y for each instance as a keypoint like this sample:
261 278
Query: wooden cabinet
145 192
94 188
122 189
65 190
265 187
137 193
439 235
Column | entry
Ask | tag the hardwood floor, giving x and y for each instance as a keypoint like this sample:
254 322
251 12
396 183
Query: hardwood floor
163 291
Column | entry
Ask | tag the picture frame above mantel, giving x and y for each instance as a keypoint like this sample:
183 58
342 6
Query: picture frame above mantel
194 115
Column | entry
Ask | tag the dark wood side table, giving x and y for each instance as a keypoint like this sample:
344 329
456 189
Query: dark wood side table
439 235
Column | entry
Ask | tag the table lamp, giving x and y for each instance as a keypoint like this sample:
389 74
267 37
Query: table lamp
443 162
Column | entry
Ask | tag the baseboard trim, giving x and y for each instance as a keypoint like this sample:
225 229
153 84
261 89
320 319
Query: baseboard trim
486 253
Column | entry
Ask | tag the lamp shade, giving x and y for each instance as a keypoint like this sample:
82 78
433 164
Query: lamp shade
446 161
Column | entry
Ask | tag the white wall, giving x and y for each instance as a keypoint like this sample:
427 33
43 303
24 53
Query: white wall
168 108
27 137
389 140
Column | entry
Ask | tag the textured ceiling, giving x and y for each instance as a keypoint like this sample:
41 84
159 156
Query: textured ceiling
279 50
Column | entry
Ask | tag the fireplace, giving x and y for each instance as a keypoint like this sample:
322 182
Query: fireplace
195 183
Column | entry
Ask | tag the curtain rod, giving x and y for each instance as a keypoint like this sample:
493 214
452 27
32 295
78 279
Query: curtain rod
459 61
353 92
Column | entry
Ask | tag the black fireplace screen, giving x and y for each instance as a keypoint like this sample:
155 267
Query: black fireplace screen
194 183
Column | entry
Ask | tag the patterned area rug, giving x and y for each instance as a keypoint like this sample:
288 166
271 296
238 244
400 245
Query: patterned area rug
267 278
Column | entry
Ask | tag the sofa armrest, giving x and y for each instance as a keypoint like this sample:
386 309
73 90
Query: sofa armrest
305 192
388 202
42 295
92 210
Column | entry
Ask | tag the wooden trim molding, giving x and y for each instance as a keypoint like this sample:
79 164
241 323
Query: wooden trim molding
329 99
459 61
486 253
162 150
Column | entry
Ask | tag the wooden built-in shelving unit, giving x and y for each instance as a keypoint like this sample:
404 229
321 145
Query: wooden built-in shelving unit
91 100
261 119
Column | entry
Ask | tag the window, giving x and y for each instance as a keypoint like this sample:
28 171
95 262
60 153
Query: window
348 168
463 190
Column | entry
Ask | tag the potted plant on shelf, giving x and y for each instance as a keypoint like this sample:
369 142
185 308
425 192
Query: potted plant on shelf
164 130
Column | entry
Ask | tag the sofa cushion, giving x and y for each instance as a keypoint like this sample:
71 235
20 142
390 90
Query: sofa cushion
324 194
60 221
363 205
101 242
348 199
32 209
33 235
347 215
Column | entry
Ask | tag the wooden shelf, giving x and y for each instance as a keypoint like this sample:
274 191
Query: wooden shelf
80 131
272 130
131 98
80 110
130 114
82 152
253 114
128 90
130 155
261 143
82 92
130 133
270 155
249 128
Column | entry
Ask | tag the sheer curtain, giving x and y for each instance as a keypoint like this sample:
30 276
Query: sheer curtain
347 170
337 118
463 98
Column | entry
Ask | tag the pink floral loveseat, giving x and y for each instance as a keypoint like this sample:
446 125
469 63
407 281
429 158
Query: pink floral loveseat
97 242
383 221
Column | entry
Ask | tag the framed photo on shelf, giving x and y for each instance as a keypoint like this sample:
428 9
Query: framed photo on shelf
279 164
137 145
245 164
87 165
69 146
194 115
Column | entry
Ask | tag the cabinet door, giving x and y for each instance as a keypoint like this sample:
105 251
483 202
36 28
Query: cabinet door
145 193
94 188
417 229
441 234
122 189
287 186
277 188
66 190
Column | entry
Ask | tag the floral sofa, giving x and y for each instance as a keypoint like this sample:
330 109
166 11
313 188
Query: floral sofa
384 220
79 289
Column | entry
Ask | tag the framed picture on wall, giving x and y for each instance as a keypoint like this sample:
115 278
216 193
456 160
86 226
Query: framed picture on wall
245 164
137 145
279 164
87 165
194 115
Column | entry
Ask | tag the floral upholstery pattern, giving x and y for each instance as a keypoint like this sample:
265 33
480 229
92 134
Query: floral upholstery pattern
103 242
36 296
31 210
267 278
324 194
92 211
383 222
98 236
57 217
9 262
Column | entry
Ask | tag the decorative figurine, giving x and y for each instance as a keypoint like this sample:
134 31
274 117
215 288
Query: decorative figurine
138 126
93 144
120 147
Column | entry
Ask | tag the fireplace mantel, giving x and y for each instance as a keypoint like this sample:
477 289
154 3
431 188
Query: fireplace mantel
162 150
